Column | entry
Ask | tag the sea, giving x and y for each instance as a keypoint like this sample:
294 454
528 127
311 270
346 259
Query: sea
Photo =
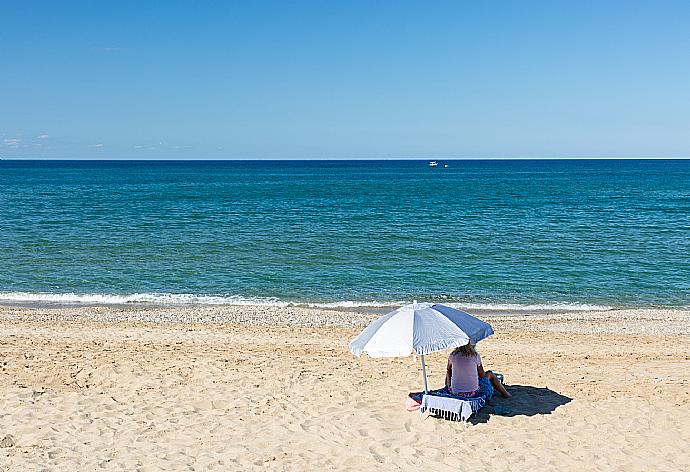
480 234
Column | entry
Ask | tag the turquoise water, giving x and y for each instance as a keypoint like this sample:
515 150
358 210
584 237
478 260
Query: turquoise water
478 233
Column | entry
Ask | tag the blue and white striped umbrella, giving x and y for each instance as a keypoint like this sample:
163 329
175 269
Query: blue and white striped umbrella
421 328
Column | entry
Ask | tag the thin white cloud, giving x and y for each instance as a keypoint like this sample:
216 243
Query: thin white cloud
99 145
14 142
42 136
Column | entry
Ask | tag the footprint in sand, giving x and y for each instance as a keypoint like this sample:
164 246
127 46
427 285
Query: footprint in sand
377 457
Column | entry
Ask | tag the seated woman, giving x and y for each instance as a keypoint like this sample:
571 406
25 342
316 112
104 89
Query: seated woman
466 376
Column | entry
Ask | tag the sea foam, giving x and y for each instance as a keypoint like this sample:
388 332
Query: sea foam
173 299
134 298
564 306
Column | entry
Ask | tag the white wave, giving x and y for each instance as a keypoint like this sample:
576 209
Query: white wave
466 306
175 299
146 298
530 307
352 304
191 299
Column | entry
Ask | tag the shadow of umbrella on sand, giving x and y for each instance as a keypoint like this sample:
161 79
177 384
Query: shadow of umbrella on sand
421 328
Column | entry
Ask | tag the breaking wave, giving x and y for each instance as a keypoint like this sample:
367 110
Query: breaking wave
191 299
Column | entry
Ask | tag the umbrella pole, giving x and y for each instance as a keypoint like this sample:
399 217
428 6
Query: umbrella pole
426 387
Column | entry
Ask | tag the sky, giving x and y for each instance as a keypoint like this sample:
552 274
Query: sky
344 80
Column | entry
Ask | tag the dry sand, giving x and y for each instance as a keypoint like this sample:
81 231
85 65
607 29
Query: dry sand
95 389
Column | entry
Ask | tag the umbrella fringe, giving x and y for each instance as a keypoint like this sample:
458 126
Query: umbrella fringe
440 346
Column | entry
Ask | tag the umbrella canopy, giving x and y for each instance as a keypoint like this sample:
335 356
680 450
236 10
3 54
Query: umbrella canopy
421 328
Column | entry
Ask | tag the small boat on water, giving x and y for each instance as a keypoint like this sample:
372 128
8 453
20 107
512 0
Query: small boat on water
433 163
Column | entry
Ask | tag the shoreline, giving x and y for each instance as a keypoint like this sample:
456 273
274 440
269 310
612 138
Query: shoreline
163 299
621 321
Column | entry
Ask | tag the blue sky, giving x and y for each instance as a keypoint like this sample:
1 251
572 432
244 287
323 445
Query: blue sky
344 80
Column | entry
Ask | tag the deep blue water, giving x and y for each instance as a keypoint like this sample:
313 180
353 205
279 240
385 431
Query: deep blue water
614 232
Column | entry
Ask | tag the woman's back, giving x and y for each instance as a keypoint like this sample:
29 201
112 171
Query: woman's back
464 377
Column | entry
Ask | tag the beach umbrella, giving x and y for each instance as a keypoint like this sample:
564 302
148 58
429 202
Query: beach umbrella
421 328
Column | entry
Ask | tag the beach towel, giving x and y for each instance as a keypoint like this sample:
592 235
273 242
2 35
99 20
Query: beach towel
445 404
448 408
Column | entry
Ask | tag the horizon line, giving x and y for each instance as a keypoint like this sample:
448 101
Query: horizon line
357 159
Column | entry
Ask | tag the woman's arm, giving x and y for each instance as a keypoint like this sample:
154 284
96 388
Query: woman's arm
480 371
449 372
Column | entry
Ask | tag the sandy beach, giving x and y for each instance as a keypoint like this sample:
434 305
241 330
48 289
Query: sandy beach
260 388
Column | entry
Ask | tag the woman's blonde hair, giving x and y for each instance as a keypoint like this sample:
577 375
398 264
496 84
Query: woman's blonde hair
467 350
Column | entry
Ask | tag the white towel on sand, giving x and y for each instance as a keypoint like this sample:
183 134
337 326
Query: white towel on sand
448 408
